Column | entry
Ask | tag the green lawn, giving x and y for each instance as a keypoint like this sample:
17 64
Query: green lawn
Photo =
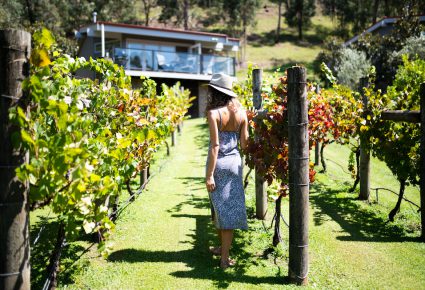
161 239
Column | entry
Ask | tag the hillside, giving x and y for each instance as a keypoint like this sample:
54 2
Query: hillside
262 50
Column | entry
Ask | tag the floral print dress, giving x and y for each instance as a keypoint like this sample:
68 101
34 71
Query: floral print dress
228 199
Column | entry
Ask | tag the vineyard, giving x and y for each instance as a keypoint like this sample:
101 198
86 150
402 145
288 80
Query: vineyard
87 139
81 151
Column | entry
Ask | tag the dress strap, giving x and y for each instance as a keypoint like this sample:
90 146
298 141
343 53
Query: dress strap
219 114
240 120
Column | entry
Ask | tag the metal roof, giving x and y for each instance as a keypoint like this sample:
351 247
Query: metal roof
383 22
167 33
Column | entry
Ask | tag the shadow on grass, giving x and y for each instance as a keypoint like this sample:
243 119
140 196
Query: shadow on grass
199 259
201 263
360 223
40 254
192 181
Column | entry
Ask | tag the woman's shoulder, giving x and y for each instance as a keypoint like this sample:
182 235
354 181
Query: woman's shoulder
212 114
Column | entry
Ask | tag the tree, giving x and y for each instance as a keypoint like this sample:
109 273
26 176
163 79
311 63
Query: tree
329 55
147 6
298 13
62 17
379 49
355 16
178 11
279 18
239 14
11 12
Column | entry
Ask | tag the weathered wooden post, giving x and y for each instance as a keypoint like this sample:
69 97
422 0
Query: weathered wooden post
364 150
317 153
143 177
298 154
260 184
422 167
317 145
173 138
15 49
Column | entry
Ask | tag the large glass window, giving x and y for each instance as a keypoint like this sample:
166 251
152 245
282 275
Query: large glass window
148 56
166 58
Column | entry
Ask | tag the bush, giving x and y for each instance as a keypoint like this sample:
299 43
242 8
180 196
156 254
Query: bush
350 66
414 48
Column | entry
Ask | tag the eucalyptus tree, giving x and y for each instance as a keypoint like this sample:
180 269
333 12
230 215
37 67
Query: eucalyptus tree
298 14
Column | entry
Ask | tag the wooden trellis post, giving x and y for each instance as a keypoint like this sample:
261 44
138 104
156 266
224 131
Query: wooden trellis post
143 177
260 184
15 49
317 146
422 167
364 151
180 124
415 117
173 138
298 155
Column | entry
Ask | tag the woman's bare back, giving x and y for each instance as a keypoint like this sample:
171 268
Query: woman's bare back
231 118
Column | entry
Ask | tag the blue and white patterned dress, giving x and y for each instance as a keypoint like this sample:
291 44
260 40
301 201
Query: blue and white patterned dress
228 198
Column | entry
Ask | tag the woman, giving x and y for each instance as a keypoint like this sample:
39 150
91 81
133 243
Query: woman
228 124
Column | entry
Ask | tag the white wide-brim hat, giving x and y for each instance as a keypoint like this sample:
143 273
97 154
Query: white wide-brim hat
223 83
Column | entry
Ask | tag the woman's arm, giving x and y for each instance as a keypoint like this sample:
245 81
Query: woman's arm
212 122
244 131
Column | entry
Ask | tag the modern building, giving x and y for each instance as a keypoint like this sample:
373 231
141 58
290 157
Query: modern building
382 27
165 55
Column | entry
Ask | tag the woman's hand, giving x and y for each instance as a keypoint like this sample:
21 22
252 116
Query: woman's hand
210 183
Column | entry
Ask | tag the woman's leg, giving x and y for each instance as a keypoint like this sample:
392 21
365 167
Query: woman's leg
226 242
217 250
219 235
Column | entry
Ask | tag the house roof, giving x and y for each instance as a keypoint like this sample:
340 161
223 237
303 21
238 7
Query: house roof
160 32
381 23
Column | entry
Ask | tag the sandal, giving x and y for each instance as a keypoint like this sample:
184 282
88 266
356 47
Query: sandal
216 251
227 264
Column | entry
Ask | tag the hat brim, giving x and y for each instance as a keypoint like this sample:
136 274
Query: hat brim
225 91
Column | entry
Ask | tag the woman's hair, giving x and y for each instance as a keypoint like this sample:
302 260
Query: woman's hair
216 99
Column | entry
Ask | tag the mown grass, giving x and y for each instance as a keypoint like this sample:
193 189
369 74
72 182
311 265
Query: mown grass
382 201
161 239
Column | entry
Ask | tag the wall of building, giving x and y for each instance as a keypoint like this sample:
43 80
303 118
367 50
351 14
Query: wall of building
202 96
87 47
86 50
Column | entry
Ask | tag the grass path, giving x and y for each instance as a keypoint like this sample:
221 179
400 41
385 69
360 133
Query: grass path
162 238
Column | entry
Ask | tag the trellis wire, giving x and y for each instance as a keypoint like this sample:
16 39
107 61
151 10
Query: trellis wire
118 212
43 226
377 188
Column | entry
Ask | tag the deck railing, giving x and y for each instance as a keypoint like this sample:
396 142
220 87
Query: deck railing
180 62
